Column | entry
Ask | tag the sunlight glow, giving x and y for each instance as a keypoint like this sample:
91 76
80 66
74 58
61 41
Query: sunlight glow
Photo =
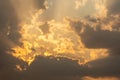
52 37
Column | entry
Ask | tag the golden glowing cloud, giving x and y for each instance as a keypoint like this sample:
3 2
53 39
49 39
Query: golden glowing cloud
51 38
100 6
80 3
101 78
60 41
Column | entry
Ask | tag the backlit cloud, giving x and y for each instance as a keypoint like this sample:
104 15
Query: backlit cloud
59 40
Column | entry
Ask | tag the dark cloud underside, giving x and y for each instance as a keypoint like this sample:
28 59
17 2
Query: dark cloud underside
50 68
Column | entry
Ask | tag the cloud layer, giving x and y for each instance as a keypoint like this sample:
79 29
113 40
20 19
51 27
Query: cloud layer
95 33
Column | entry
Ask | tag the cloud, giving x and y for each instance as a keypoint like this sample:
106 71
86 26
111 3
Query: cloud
99 33
100 78
47 68
8 21
113 7
100 38
51 68
66 69
45 28
108 66
40 4
94 32
80 3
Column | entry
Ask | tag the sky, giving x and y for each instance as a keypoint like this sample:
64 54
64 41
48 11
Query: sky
59 40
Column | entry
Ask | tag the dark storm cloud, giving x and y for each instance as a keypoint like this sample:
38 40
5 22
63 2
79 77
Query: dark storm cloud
100 38
50 67
8 70
104 67
97 36
45 68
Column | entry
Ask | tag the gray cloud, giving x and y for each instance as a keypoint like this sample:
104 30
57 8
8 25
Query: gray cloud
97 36
100 38
40 4
67 69
46 68
113 6
103 33
105 67
8 21
50 68
98 33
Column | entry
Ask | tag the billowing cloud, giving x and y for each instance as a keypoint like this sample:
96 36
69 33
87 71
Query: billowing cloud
62 68
99 33
58 41
80 3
